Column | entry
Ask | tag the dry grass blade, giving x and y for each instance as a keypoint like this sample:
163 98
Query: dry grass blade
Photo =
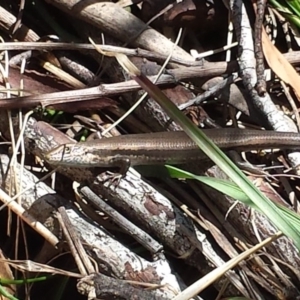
21 212
31 266
206 281
134 231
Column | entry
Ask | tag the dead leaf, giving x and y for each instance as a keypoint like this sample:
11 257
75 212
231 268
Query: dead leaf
279 65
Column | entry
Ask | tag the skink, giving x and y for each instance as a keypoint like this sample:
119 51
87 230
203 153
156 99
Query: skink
163 148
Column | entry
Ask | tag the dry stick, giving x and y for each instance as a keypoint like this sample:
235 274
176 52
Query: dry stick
141 99
160 57
101 243
209 93
74 242
210 69
122 26
139 235
268 110
140 201
100 286
292 57
7 20
271 114
261 86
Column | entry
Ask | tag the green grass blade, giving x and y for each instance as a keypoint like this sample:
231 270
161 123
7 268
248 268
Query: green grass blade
214 153
232 190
